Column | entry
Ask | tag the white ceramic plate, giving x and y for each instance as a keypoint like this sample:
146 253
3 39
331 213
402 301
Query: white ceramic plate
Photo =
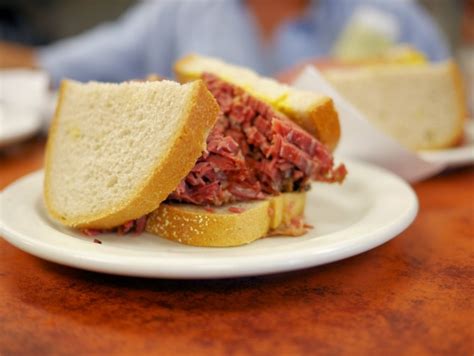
457 156
370 208
24 98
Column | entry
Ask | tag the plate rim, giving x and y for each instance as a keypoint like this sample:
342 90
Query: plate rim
295 259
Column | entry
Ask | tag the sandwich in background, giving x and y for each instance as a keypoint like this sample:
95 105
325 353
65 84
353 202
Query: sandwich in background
116 151
420 104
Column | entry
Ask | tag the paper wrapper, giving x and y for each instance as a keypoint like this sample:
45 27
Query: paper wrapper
363 141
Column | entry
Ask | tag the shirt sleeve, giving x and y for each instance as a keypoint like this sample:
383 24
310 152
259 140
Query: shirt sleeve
111 52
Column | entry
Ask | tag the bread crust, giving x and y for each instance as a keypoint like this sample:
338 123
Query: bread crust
194 225
458 84
189 142
321 119
53 128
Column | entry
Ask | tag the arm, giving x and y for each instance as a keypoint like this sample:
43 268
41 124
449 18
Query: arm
111 52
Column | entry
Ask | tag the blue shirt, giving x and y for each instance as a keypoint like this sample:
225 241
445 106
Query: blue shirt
153 34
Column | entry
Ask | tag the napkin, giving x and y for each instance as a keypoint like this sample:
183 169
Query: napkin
363 141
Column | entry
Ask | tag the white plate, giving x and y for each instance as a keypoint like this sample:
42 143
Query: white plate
370 208
457 156
23 98
17 124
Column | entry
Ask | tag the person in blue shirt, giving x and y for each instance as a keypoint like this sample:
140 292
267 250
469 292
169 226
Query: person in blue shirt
268 36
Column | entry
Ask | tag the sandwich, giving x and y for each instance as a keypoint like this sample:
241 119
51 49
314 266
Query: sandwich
222 160
420 104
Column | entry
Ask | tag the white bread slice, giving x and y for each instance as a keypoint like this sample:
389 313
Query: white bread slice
314 112
116 151
194 225
421 106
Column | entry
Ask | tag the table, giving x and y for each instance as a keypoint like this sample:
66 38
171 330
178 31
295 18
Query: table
410 296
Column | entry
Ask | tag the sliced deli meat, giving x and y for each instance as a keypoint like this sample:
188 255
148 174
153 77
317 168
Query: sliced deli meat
253 152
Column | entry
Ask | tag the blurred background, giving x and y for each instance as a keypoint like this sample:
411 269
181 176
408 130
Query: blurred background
40 22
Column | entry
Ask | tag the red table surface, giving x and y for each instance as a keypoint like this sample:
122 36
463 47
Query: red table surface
411 296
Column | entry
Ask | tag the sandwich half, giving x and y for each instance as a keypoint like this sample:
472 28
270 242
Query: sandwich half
207 163
116 151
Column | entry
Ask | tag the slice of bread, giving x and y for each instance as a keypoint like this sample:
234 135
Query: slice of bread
229 225
312 111
116 151
421 106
